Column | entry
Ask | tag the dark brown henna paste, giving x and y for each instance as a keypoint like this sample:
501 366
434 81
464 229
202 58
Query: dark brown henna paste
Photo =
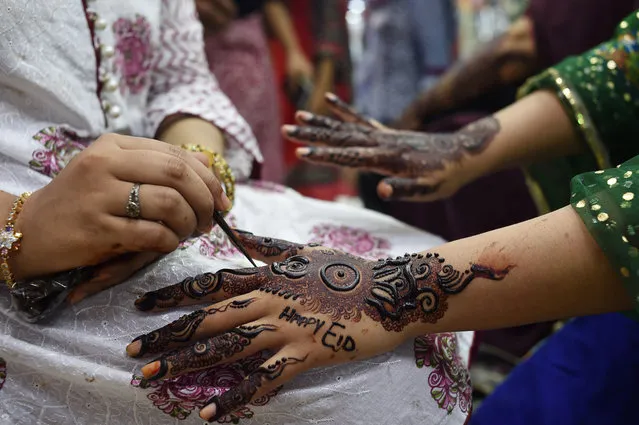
268 247
208 353
394 292
403 188
242 394
233 282
182 329
398 153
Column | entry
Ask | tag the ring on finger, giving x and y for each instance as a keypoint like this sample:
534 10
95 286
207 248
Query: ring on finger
133 207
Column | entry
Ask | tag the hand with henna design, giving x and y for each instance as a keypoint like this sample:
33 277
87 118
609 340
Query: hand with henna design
421 166
312 306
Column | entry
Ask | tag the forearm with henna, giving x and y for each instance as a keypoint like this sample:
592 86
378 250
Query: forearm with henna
509 59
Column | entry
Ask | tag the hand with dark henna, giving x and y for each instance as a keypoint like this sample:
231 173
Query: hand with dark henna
422 166
311 306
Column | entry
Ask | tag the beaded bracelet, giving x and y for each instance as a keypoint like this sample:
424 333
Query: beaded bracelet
10 239
216 160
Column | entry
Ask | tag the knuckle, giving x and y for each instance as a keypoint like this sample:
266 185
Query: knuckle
176 168
169 200
154 239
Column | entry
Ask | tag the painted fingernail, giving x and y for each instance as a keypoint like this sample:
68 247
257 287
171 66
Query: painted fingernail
146 302
306 116
289 129
384 190
331 97
133 349
208 413
226 202
303 152
150 371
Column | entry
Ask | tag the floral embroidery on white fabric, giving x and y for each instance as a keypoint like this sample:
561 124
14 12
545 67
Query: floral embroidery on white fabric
449 379
60 145
178 397
214 244
133 52
3 372
351 240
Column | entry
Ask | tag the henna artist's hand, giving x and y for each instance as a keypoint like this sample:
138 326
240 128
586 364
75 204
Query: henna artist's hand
423 166
312 306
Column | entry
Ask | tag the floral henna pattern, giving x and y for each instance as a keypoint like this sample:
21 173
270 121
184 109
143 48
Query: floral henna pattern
178 397
181 330
242 394
208 353
59 146
233 282
133 52
449 379
3 372
353 240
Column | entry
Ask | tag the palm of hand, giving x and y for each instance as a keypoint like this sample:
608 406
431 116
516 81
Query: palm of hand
314 306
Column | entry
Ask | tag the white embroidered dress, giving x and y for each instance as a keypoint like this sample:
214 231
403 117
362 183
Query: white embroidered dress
72 70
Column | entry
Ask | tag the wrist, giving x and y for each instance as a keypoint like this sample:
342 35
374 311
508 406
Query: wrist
12 241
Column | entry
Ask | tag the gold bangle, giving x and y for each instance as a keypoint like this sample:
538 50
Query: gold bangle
218 162
10 240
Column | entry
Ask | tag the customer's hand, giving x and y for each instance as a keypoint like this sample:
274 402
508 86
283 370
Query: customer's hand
216 15
312 306
423 166
80 218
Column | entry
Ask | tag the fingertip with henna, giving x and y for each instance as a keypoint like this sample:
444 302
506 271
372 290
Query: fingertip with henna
303 152
146 302
385 190
152 370
209 412
134 348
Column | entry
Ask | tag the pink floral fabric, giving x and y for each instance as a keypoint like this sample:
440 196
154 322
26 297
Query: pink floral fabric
3 372
179 397
133 52
214 244
350 239
59 146
449 380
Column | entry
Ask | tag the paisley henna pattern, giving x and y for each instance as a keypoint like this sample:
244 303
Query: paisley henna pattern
182 330
242 394
208 353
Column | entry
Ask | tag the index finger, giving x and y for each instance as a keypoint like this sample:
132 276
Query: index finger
347 113
203 172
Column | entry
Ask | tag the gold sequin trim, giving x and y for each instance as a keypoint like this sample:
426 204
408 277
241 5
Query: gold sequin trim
580 113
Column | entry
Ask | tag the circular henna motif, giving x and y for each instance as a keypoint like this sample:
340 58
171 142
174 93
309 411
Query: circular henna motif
340 277
293 267
428 301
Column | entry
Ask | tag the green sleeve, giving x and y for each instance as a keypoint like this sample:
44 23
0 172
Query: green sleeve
600 92
608 203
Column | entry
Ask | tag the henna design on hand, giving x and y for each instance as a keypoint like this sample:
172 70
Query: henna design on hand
208 353
232 282
397 153
394 292
268 247
242 394
181 330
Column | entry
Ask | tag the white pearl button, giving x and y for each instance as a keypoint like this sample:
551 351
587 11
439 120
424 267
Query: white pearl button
106 106
115 111
107 51
111 85
100 24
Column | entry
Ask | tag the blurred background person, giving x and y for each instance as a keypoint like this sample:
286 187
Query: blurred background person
323 37
407 45
238 53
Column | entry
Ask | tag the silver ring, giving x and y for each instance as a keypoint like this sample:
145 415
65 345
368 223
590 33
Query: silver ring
133 207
